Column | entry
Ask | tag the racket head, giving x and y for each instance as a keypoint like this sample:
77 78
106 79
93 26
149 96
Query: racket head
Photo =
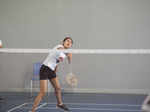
71 80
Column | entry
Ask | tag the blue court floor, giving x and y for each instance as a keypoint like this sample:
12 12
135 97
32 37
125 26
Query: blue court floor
22 102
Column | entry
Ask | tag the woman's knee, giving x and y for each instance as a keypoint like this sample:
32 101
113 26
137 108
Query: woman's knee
58 89
42 93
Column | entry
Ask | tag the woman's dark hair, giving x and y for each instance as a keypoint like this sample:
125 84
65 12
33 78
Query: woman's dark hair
68 38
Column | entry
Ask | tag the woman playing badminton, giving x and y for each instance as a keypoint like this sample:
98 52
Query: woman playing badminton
48 72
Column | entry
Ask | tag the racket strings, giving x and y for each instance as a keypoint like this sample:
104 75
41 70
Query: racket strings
71 78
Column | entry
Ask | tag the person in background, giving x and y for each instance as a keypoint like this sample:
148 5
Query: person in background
0 44
1 47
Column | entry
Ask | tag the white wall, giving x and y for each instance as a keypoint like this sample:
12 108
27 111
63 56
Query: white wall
93 24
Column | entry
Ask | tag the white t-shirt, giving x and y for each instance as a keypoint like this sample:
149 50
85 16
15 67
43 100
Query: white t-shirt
52 59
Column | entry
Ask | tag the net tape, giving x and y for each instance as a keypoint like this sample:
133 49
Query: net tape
79 51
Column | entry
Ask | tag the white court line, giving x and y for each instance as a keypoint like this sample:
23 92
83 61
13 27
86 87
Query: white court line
96 109
97 104
41 106
17 107
126 110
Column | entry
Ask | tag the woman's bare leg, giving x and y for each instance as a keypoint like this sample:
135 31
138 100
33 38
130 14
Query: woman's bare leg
43 90
57 87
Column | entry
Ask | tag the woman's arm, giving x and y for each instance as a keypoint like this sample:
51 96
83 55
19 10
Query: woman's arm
60 58
69 55
56 68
